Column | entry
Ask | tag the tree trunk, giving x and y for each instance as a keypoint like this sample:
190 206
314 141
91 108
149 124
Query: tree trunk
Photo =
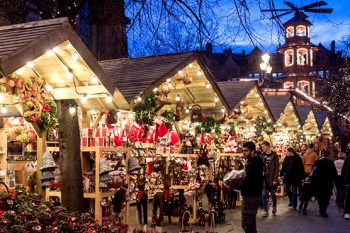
70 159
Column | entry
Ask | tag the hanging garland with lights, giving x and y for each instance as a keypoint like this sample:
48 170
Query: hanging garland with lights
33 99
262 125
170 118
145 113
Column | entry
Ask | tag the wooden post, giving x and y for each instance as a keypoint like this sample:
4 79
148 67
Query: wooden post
41 148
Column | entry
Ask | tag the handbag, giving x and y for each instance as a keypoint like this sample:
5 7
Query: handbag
183 229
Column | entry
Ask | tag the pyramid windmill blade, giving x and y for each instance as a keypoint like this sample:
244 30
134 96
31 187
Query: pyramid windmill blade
276 16
320 3
291 5
326 10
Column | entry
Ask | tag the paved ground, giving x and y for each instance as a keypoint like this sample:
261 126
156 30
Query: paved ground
285 221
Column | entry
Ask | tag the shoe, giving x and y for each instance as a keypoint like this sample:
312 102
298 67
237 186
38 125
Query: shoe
304 213
265 214
290 205
299 211
274 210
346 216
292 208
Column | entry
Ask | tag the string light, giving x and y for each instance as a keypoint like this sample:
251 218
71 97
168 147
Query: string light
3 109
168 80
208 85
139 99
94 79
48 87
177 98
84 99
49 53
56 49
180 72
2 97
155 90
69 75
75 56
199 72
216 99
222 110
109 99
30 64
72 109
187 110
190 65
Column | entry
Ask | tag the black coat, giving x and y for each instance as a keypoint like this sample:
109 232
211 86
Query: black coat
253 182
345 171
325 177
294 171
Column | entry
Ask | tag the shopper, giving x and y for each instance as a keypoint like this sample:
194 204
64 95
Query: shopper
294 175
271 170
339 162
309 158
284 179
251 188
303 149
345 172
305 195
324 180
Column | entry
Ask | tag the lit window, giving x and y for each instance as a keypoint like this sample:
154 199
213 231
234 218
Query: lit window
302 57
290 32
288 85
301 30
288 57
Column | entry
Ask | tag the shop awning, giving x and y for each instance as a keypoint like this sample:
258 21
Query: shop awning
246 99
307 119
52 49
136 77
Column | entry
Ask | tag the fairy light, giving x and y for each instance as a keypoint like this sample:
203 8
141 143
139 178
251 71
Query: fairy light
190 65
177 98
187 110
207 85
69 75
180 72
216 99
84 99
222 110
139 99
49 53
72 109
199 72
56 49
3 109
75 56
109 99
94 79
168 80
2 97
48 87
155 90
30 64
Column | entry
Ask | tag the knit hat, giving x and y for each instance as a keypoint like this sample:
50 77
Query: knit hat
133 163
104 166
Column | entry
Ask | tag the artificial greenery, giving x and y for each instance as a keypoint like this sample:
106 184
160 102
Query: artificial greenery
262 125
170 118
145 113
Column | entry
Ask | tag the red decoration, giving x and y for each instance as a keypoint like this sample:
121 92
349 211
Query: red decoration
133 133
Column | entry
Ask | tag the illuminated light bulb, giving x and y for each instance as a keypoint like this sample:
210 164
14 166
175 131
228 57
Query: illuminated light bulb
56 49
49 53
222 110
155 89
69 75
49 87
75 56
177 98
216 99
180 72
109 99
187 110
269 120
94 80
265 112
119 114
168 80
30 64
208 85
83 99
190 65
92 112
139 99
72 110
256 95
131 115
69 46
2 97
199 72
3 109
170 85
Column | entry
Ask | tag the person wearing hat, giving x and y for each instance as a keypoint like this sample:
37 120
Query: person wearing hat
309 158
141 201
252 186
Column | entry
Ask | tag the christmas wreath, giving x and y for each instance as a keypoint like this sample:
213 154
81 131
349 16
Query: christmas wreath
262 125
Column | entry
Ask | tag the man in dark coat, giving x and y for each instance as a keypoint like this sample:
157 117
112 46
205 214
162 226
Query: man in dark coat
283 170
251 188
345 173
326 175
293 174
271 170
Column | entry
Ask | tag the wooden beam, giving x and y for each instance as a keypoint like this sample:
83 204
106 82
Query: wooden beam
98 118
71 92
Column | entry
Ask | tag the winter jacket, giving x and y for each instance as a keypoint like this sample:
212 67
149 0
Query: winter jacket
309 160
253 182
294 171
345 171
325 177
271 172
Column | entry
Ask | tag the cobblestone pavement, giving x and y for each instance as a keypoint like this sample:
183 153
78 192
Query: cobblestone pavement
285 221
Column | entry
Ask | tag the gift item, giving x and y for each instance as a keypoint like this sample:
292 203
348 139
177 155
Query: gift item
234 179
133 164
47 161
104 166
133 133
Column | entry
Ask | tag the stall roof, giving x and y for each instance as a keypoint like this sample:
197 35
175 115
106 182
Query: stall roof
30 42
320 116
137 76
303 112
277 104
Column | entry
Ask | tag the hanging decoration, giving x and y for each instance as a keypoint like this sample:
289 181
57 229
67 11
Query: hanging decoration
196 114
164 90
170 117
33 99
186 79
262 125
145 113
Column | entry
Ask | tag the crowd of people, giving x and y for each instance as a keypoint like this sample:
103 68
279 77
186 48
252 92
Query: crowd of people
305 174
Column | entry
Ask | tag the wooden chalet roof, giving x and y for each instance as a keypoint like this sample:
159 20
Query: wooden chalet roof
30 42
303 112
320 118
277 104
135 75
234 92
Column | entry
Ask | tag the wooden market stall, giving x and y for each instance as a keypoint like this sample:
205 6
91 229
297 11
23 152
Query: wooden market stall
308 121
50 55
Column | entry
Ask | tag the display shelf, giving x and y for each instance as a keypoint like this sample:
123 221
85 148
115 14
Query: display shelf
98 195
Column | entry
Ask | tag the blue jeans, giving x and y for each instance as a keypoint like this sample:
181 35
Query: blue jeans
265 197
294 191
289 193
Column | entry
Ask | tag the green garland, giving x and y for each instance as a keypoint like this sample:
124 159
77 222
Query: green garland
262 125
146 112
170 118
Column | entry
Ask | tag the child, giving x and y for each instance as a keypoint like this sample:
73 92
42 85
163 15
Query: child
305 196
